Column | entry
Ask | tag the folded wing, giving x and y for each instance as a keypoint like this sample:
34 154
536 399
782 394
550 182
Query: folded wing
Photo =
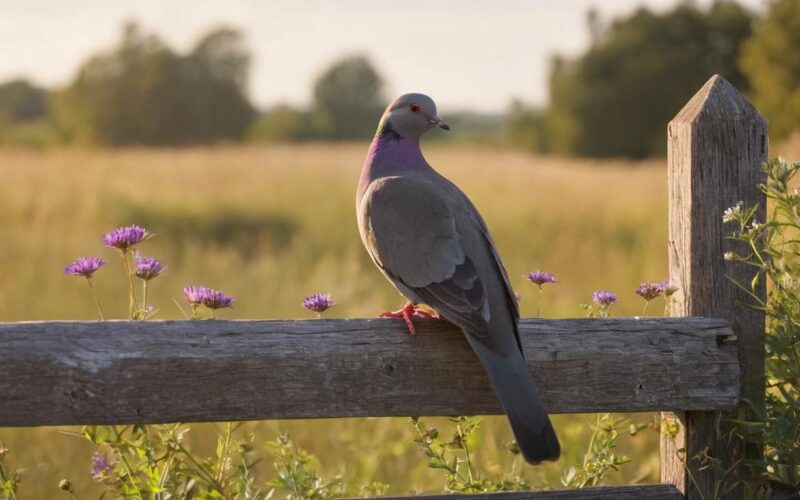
410 232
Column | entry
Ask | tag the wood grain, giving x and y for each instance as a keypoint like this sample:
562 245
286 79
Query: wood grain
146 372
716 146
636 492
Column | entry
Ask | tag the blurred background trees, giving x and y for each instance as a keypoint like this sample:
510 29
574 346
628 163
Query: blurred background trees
25 115
142 92
617 98
348 99
771 60
614 100
21 101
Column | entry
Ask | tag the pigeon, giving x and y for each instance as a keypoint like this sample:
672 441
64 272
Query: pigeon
430 242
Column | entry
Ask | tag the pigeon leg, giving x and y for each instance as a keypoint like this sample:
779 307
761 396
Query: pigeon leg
406 312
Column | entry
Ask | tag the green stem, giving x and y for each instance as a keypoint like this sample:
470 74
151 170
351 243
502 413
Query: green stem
685 461
125 463
144 299
297 493
164 475
588 453
186 316
756 253
96 302
743 288
591 441
131 287
201 470
12 495
644 312
431 453
225 449
463 439
539 304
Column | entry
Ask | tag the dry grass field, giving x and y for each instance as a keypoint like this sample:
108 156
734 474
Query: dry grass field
270 225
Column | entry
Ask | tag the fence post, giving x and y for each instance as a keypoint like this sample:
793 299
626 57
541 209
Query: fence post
716 145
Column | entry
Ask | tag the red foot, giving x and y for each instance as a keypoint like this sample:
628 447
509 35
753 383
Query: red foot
407 312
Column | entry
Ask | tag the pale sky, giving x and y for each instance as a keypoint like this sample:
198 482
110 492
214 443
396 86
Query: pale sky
467 54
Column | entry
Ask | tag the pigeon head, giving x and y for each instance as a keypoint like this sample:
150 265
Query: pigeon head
411 115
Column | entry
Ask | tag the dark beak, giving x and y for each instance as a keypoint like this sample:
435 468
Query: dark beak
439 123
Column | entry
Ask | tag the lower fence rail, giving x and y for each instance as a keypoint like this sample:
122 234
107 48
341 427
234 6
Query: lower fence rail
635 492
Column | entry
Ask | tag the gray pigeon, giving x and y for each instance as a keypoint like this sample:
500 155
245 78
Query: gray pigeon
429 240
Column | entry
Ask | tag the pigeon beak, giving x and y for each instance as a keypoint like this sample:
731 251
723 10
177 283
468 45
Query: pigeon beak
439 123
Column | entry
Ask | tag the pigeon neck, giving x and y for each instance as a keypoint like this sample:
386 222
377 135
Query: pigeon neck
390 154
392 151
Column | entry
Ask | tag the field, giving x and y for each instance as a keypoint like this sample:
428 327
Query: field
273 224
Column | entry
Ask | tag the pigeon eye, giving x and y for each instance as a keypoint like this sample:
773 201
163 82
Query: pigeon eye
414 107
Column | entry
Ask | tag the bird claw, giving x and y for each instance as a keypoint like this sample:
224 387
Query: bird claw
407 312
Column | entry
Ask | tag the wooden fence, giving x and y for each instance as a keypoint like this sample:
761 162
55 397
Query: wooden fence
59 373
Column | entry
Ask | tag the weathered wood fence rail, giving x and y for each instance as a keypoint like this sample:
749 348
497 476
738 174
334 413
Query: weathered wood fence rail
55 373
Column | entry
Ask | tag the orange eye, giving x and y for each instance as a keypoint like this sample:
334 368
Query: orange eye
414 107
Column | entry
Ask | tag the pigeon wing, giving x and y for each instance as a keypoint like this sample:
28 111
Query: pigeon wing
410 232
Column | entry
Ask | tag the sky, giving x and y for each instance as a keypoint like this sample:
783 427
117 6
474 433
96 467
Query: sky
467 54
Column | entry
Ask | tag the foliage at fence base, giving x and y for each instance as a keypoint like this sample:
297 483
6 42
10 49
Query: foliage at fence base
771 249
155 461
9 478
773 253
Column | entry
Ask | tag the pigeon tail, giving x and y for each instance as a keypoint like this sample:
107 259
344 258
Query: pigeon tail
509 375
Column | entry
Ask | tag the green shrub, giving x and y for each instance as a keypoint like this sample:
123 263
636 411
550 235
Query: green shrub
774 254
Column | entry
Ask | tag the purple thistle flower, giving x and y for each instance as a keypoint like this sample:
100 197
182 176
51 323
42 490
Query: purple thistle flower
604 298
319 302
195 294
148 268
668 288
649 290
100 464
125 237
214 299
541 277
85 266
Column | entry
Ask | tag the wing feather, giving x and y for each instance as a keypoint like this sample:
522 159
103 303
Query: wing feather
410 232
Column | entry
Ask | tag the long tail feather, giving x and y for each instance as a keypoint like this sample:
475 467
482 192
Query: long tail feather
509 375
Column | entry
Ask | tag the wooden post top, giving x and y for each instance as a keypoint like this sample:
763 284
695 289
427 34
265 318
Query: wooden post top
717 100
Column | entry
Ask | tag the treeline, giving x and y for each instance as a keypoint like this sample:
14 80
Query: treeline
617 98
613 100
348 101
142 92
